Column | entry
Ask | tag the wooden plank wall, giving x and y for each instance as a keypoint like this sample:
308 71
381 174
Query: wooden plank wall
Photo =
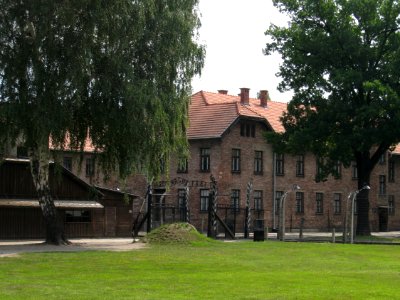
21 223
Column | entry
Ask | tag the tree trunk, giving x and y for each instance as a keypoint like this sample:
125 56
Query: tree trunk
363 226
39 163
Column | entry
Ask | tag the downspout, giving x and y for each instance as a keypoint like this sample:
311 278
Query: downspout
273 190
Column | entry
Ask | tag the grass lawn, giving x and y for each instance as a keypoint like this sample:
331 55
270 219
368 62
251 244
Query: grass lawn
208 270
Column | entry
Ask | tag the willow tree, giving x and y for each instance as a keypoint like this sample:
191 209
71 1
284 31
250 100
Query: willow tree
342 60
117 72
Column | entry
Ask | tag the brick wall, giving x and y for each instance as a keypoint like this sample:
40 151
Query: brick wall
221 159
221 156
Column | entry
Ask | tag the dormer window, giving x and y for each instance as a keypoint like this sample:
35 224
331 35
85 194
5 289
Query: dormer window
247 129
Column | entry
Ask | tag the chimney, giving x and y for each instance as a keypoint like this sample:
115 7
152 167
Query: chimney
223 92
244 96
264 98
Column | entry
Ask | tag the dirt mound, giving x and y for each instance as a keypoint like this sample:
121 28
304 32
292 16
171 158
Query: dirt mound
175 233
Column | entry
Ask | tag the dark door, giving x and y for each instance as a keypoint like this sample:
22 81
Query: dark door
158 207
383 219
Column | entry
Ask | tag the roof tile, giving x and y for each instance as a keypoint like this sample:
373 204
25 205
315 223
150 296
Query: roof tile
210 114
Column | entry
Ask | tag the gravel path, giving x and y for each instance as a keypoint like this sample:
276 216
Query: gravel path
14 248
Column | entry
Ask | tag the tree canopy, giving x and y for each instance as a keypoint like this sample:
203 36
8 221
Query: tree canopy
117 72
342 60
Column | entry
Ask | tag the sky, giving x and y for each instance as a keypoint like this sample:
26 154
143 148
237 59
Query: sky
233 32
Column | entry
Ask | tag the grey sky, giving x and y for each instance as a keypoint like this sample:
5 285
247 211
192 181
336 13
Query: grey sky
233 31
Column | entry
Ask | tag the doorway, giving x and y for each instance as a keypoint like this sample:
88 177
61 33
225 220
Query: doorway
383 218
158 216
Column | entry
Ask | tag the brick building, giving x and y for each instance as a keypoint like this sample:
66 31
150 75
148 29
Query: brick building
226 140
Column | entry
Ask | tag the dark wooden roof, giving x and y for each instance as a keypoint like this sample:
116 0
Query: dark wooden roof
16 182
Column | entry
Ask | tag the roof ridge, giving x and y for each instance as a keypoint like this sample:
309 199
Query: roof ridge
219 94
254 111
237 97
223 103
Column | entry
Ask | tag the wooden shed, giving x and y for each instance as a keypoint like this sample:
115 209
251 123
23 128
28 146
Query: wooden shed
84 210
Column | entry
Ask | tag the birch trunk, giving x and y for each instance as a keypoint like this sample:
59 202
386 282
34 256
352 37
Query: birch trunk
39 163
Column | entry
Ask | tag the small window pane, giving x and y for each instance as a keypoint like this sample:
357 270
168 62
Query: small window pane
258 162
279 164
258 200
235 160
205 159
204 199
337 205
89 167
78 216
300 166
235 200
299 202
67 162
319 199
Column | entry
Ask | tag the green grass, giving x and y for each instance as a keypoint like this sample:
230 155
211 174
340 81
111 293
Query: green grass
242 270
373 239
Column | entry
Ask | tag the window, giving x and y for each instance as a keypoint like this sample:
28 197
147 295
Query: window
382 185
204 199
300 166
78 216
183 166
235 200
253 130
354 173
391 205
279 164
205 159
382 159
258 200
337 203
258 162
247 129
319 203
278 196
391 170
181 198
319 163
337 169
67 162
89 167
235 160
22 152
299 202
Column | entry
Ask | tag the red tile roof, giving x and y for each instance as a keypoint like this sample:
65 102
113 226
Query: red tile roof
210 114
87 147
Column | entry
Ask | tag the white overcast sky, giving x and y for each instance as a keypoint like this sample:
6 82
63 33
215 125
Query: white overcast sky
233 32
